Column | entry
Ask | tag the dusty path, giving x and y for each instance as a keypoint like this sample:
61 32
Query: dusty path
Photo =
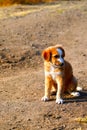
23 36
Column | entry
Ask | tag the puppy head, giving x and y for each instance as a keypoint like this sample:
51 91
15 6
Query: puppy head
55 55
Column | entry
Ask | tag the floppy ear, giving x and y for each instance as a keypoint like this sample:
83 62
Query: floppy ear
46 54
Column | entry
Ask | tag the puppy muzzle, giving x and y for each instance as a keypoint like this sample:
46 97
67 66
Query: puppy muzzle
59 66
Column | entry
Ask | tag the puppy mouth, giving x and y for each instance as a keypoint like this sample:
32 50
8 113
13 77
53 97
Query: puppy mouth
58 65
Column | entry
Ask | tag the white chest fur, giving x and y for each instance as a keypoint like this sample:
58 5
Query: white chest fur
52 73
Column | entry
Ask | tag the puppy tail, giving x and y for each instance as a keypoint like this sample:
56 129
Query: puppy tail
79 88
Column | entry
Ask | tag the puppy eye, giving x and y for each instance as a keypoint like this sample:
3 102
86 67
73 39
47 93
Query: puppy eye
56 56
62 56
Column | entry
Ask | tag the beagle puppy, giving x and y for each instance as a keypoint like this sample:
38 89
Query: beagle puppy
58 74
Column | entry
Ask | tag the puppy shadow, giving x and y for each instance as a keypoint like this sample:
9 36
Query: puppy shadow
81 98
70 99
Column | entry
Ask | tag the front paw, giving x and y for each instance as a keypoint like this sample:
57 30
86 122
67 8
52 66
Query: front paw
59 101
45 98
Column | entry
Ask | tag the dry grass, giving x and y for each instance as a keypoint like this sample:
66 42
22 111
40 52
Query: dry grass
82 120
10 2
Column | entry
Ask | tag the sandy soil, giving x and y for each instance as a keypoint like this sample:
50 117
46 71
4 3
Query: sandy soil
24 32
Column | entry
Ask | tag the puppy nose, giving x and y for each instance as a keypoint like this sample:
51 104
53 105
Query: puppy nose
62 64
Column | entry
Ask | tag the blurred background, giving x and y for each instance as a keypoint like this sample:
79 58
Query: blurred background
10 2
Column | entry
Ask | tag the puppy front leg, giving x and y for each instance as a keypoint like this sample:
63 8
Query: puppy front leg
60 86
47 89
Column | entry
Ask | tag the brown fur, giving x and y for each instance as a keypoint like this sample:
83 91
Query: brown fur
64 81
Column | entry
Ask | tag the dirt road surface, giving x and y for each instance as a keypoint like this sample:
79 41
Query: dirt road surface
24 32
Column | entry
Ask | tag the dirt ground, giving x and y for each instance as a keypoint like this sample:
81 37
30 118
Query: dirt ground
24 32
